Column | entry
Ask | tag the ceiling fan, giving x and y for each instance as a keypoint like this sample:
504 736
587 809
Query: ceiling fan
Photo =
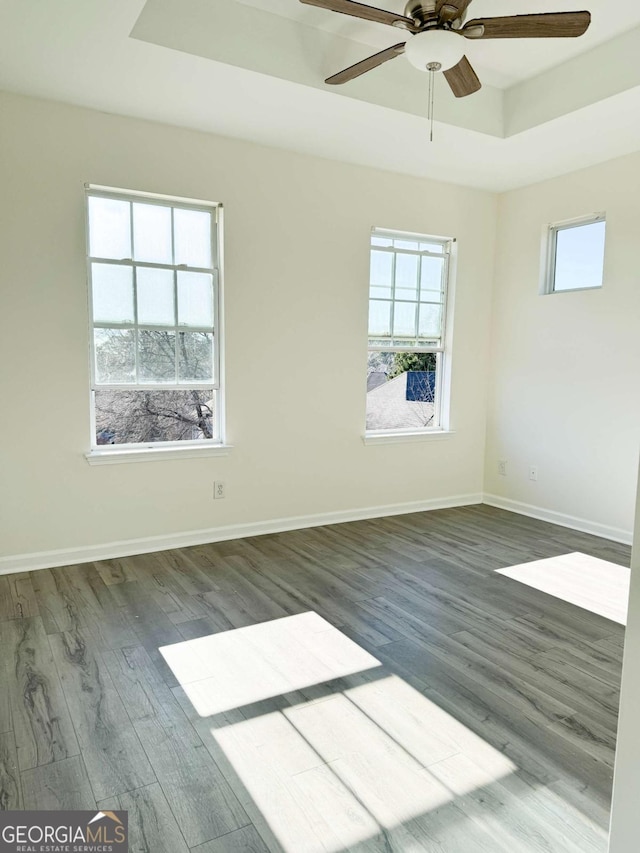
436 28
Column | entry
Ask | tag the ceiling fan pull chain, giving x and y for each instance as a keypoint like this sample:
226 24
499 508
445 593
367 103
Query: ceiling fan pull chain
432 67
432 80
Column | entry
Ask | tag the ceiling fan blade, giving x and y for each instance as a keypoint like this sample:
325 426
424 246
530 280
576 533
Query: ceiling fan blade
462 79
368 13
450 10
546 25
367 64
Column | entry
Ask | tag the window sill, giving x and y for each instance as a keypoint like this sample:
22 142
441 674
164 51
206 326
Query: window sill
406 437
154 454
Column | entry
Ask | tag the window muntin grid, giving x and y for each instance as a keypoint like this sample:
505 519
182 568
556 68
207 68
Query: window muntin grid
152 277
407 314
166 277
407 291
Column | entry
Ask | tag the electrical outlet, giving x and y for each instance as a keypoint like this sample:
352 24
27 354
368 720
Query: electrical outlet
533 472
502 467
219 492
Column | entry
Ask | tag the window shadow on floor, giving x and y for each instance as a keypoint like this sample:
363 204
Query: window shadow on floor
377 759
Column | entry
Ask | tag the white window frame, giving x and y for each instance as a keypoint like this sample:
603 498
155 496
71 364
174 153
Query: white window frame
550 244
101 454
440 427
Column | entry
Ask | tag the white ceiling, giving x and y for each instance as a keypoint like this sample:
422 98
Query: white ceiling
82 52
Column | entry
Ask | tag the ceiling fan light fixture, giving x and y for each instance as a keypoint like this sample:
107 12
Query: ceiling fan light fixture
432 48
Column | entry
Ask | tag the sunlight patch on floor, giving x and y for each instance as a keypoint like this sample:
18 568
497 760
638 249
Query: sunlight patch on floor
358 766
588 582
235 668
346 765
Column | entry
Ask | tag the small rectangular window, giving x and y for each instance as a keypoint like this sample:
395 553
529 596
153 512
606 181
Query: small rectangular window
155 325
575 255
407 315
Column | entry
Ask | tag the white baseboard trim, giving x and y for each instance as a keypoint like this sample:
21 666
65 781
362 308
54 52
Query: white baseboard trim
575 523
130 547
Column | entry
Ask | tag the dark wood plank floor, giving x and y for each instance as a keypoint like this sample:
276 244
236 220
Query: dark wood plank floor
92 715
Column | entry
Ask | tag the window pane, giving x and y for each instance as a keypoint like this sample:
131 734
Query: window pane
407 294
431 247
112 293
406 244
381 274
155 297
192 234
380 293
156 356
430 324
131 416
401 390
404 318
382 241
109 228
152 233
379 318
431 277
407 272
195 299
114 355
579 256
195 356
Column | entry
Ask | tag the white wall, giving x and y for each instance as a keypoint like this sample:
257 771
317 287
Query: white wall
565 367
297 233
626 783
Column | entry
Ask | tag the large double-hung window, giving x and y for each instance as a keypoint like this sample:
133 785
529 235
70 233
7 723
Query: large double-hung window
154 301
407 321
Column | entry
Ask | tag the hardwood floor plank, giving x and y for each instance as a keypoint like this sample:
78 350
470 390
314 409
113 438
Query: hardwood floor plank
165 587
7 683
612 643
10 785
511 810
590 682
211 624
152 826
56 603
564 624
253 596
40 718
543 755
323 600
101 618
60 785
6 604
245 840
23 600
114 758
197 792
185 568
581 694
590 659
595 740
116 571
151 626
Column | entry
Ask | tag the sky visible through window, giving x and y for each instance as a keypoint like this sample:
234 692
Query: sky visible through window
579 257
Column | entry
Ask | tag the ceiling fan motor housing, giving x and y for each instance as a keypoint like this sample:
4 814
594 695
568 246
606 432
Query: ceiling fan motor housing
421 10
435 50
